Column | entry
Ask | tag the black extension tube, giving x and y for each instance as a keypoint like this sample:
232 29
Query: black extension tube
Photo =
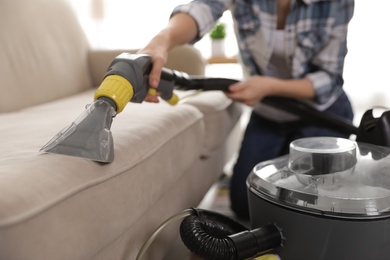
256 242
211 235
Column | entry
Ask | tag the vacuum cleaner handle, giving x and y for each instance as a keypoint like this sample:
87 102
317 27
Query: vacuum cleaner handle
126 80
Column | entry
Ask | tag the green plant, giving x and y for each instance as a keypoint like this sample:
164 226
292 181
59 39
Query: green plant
218 31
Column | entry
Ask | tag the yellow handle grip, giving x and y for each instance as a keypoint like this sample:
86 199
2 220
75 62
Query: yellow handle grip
172 101
152 91
120 90
116 88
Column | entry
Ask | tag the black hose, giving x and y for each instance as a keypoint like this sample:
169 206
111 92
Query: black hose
311 114
213 236
206 234
294 106
256 242
208 84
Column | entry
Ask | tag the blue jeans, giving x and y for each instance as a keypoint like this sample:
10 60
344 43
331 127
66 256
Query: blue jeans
264 140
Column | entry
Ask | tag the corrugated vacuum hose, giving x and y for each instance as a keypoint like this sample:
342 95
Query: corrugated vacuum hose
206 234
214 236
211 235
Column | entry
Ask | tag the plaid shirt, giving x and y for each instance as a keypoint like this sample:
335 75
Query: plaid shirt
315 37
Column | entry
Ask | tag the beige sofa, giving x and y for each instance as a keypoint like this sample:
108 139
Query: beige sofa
60 207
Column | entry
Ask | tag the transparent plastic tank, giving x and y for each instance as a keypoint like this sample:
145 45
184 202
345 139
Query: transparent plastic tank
328 176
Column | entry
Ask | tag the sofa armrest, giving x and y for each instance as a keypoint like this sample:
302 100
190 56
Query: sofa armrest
184 58
188 59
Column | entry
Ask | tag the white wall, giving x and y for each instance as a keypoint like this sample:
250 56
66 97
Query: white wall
131 24
367 67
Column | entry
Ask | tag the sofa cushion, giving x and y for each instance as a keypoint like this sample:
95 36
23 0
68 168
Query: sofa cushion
42 59
220 116
59 207
55 196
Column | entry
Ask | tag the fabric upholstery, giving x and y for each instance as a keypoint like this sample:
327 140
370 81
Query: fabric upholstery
43 51
60 207
56 196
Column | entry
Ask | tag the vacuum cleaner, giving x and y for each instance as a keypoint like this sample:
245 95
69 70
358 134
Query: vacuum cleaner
328 199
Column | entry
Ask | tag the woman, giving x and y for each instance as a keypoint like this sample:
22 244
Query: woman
288 48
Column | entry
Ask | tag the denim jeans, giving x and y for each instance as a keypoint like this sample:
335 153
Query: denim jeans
264 140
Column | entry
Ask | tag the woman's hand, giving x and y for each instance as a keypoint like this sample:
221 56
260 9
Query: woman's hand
181 29
252 90
159 55
256 88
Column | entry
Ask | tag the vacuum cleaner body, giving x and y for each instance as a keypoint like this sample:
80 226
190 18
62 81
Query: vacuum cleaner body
312 236
330 197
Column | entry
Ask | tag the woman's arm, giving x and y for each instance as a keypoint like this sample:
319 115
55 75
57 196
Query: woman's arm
327 79
318 84
181 29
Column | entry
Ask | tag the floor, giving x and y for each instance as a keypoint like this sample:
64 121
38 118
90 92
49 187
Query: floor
178 250
215 200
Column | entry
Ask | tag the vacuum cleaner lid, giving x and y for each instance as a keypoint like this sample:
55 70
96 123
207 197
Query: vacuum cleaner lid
328 176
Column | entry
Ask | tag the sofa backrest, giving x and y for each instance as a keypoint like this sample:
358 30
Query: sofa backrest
43 53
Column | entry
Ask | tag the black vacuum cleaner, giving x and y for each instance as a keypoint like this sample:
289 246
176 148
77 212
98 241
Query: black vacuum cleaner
328 199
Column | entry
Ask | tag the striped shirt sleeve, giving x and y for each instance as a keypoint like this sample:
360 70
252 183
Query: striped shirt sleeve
205 13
